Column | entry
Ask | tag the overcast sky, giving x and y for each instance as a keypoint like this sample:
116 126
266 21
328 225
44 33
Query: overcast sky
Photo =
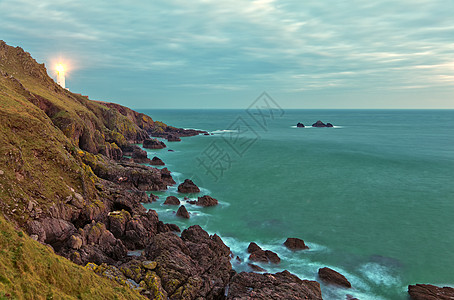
224 54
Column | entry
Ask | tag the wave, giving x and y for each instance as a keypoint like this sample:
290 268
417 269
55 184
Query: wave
220 131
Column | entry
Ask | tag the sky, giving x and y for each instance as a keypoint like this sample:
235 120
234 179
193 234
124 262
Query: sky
224 54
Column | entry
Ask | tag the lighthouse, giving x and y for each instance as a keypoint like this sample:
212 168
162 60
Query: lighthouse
61 75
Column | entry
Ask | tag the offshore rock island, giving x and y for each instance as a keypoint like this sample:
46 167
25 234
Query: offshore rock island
72 184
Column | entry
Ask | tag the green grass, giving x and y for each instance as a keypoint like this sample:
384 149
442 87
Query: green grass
30 270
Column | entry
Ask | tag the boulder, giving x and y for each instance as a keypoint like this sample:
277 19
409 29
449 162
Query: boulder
195 266
260 255
253 247
206 201
172 200
330 276
188 187
300 125
430 292
156 161
283 285
140 156
153 144
329 125
256 268
295 244
182 212
173 138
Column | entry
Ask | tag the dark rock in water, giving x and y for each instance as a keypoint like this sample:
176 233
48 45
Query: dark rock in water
333 277
321 124
260 255
173 138
300 125
170 150
182 212
153 144
153 197
193 202
172 200
430 292
253 247
350 297
283 285
256 268
207 201
295 244
188 187
195 266
140 156
206 133
156 161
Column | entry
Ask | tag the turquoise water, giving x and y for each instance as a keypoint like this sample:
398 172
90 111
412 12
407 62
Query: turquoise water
373 197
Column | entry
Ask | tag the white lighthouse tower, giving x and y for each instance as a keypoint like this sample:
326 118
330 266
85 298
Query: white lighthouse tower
61 75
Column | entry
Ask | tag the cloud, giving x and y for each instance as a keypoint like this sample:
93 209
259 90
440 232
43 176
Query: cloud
237 45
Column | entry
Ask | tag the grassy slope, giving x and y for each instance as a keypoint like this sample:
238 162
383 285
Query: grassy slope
38 167
29 270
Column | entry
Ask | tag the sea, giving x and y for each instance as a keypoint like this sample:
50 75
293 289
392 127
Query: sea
372 197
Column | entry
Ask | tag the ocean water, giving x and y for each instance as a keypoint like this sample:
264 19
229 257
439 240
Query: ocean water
372 197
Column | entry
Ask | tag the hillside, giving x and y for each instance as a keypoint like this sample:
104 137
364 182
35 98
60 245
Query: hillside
50 139
72 184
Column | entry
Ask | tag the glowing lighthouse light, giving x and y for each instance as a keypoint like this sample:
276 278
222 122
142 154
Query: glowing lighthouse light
60 75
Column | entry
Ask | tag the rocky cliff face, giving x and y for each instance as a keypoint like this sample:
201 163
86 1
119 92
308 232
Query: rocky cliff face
64 181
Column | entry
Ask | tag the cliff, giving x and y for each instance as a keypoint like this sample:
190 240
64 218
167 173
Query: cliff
67 188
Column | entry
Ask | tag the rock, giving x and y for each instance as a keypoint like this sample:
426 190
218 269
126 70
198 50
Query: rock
206 201
153 144
256 268
75 242
321 124
188 187
253 247
150 265
195 266
206 133
152 198
333 277
283 285
182 212
260 255
2 172
140 156
173 138
156 161
300 125
430 292
295 244
193 202
172 200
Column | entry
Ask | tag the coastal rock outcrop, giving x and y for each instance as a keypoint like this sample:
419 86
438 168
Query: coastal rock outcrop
156 161
153 144
183 212
173 138
188 187
283 285
195 266
206 201
330 276
321 124
260 255
300 125
172 200
430 292
295 244
140 156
